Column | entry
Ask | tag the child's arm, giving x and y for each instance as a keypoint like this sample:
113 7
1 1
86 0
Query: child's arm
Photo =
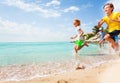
100 23
73 37
96 36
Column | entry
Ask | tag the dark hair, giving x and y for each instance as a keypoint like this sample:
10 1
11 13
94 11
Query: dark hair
110 4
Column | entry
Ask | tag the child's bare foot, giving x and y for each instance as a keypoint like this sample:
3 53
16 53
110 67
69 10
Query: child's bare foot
85 44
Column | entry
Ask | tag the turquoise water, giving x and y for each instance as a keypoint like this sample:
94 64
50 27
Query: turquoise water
24 52
26 60
38 52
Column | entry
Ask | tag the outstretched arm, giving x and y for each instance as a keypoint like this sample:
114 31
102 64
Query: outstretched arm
96 36
73 37
100 23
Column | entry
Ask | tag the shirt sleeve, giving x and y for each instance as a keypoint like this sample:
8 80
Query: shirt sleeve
78 28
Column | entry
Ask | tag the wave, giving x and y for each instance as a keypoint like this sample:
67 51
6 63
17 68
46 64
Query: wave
30 71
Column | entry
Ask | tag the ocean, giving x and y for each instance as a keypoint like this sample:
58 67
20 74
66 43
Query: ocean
26 52
27 60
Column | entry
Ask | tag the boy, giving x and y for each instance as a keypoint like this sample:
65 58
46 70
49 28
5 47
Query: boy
101 34
112 19
79 43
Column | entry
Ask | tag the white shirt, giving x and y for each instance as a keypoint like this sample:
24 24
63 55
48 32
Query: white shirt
78 32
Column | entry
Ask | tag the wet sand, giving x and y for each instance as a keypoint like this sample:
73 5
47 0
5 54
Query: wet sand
105 73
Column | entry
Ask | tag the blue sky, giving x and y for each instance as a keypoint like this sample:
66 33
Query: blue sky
47 20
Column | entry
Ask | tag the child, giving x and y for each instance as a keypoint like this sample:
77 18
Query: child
79 43
101 34
112 19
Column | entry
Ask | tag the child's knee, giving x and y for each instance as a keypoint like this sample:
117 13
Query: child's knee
107 36
75 47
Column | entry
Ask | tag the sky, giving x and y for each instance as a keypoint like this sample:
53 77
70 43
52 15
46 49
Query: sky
48 20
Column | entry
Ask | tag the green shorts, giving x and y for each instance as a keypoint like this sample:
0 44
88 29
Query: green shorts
79 42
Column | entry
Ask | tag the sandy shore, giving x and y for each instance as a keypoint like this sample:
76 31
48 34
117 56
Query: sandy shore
105 73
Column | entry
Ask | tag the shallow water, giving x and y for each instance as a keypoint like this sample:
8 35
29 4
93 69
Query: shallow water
19 61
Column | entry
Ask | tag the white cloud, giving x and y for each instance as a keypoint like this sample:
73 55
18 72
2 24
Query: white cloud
32 8
71 9
42 9
116 4
13 31
53 2
74 8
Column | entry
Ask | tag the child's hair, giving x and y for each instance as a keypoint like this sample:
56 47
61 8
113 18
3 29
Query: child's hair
78 21
110 4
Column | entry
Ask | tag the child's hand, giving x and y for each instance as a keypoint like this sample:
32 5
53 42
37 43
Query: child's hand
71 37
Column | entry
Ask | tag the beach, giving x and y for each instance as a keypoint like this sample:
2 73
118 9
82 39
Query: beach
108 72
59 41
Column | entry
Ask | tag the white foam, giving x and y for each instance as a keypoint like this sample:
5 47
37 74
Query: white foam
30 71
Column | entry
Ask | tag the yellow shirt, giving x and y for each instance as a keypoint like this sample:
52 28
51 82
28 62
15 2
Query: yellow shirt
112 25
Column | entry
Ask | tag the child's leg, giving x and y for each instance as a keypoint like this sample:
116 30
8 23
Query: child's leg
111 41
75 48
85 44
119 45
101 44
116 38
80 47
79 44
78 64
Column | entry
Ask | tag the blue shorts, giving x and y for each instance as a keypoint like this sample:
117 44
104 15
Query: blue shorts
114 35
115 32
116 38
